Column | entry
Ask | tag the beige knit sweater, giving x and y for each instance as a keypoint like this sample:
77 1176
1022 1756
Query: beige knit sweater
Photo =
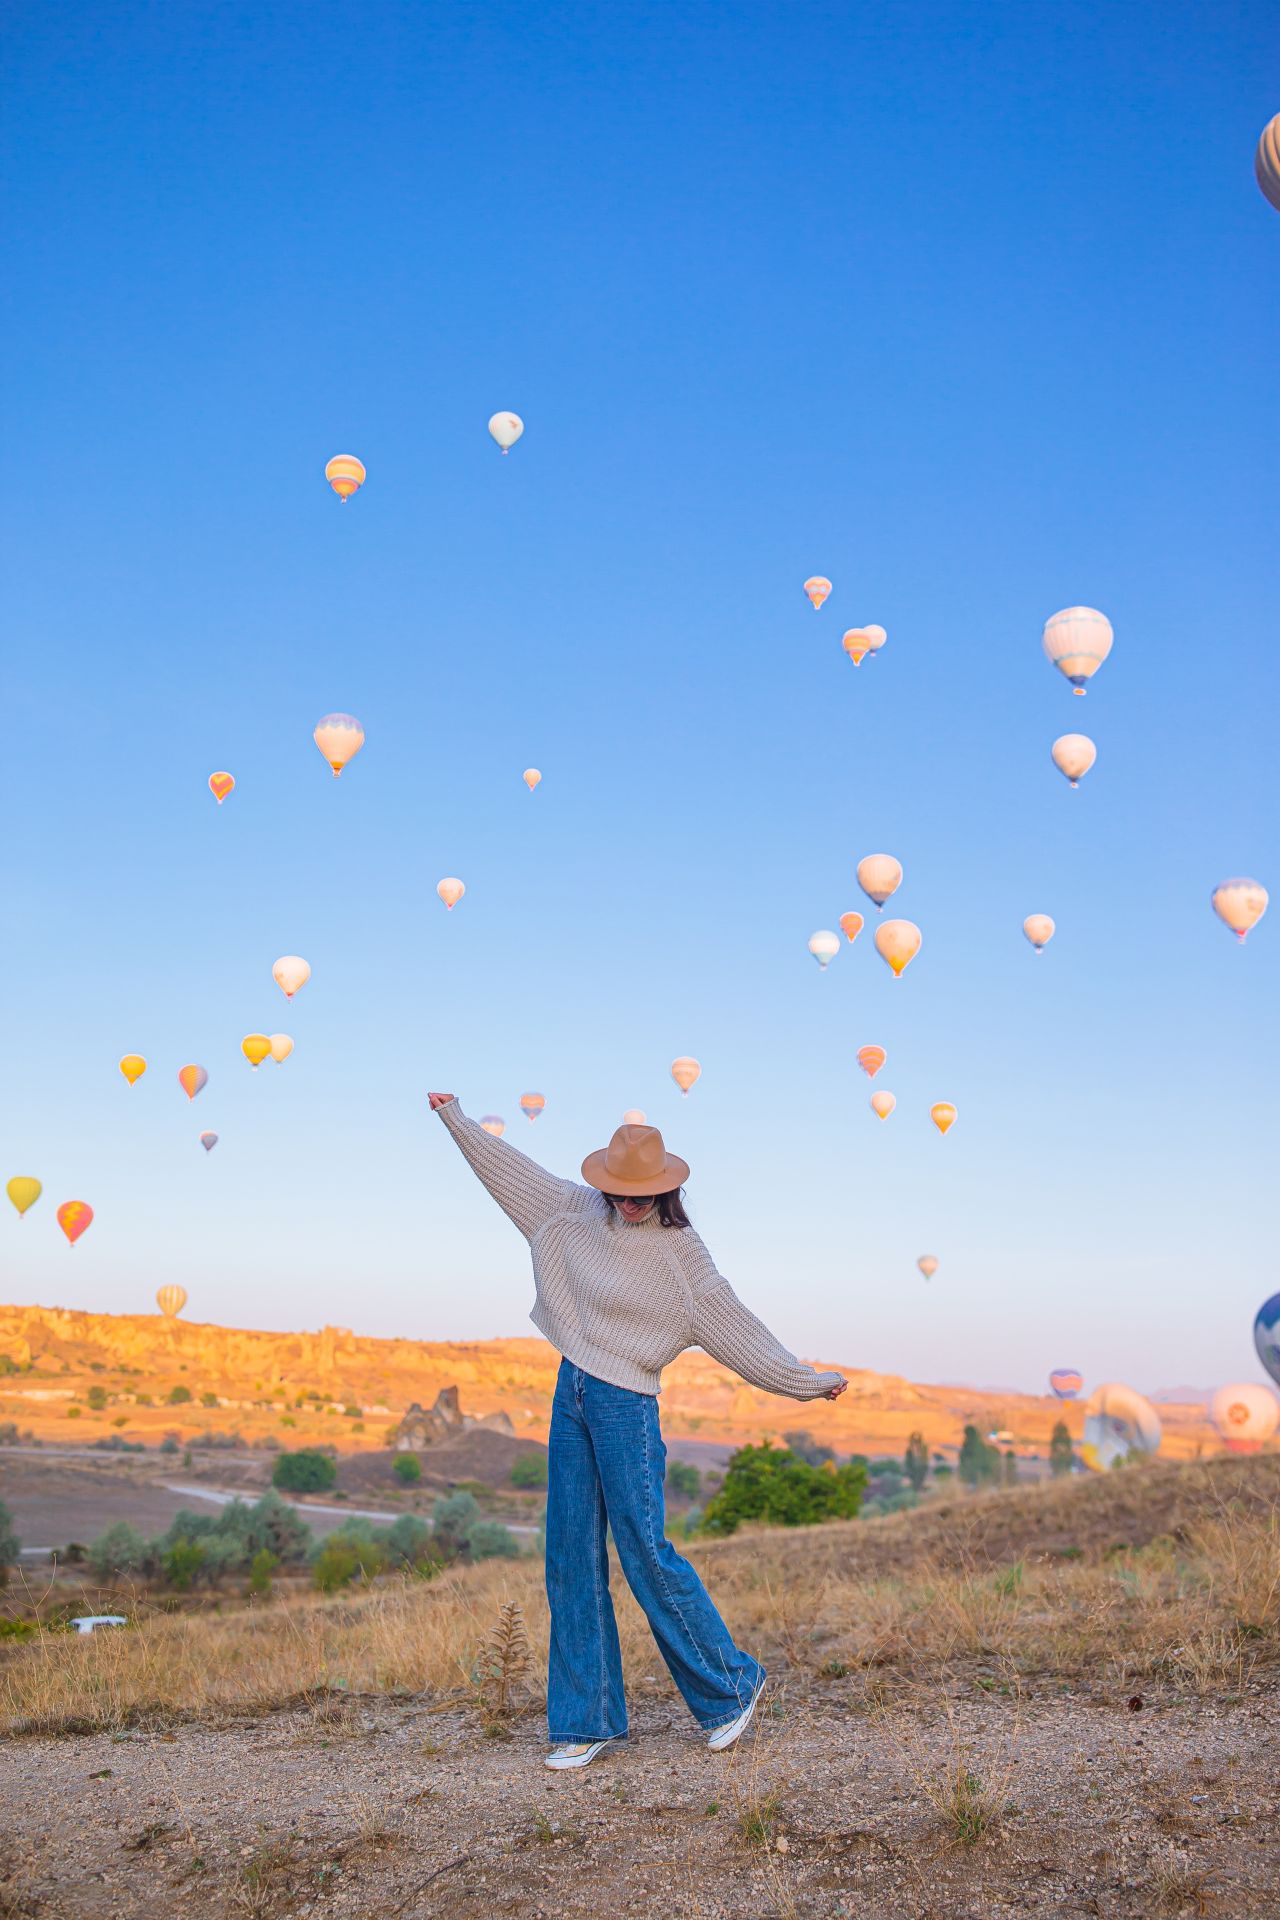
618 1298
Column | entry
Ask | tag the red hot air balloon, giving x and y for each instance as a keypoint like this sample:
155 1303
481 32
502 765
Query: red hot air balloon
74 1216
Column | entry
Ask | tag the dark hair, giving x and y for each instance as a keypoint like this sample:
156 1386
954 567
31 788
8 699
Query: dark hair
670 1206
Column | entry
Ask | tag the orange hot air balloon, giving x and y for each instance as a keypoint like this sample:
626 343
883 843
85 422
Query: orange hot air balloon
492 1123
817 588
339 737
943 1115
898 943
531 777
871 1059
74 1216
220 785
345 475
133 1066
858 642
928 1264
191 1079
851 925
450 891
531 1105
255 1047
883 1104
685 1071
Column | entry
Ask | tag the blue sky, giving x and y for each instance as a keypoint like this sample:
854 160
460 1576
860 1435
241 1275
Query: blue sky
970 308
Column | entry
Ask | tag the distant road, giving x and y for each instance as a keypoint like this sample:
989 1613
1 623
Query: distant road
221 1499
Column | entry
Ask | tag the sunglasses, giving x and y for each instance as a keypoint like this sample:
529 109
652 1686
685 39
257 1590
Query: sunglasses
636 1199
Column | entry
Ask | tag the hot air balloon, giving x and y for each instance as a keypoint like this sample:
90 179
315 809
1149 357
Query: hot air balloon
133 1066
339 737
634 1117
450 891
1244 1416
928 1264
220 785
1077 641
883 1104
171 1301
74 1217
289 973
281 1046
492 1123
858 642
1266 161
871 1059
1073 755
1241 904
191 1079
24 1192
345 475
817 588
531 1105
1117 1422
824 946
506 429
879 875
898 943
685 1071
1065 1382
1039 929
1266 1326
851 925
255 1047
208 1141
943 1115
531 777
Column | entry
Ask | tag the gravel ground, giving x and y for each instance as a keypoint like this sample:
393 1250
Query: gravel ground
359 1808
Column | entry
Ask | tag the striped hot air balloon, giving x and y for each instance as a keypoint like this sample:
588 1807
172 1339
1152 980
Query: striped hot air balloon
817 587
531 1105
871 1059
345 475
171 1300
1065 1382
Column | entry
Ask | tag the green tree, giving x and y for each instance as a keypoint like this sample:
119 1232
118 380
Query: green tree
1062 1455
915 1462
529 1470
307 1471
261 1568
336 1565
179 1396
121 1549
1010 1467
10 1545
774 1484
182 1563
408 1540
979 1463
407 1468
490 1540
683 1479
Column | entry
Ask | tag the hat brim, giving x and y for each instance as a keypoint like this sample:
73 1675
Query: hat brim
673 1175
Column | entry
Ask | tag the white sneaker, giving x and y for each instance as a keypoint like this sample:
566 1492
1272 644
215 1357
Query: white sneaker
579 1755
722 1737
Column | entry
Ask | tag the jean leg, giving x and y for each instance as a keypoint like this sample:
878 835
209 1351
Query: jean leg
714 1676
585 1699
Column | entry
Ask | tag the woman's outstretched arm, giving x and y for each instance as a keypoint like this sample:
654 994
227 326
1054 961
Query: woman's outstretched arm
731 1333
526 1192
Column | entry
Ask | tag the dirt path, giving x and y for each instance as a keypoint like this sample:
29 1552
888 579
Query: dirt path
360 1808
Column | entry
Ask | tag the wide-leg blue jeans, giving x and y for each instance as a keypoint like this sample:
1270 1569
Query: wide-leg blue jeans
607 1468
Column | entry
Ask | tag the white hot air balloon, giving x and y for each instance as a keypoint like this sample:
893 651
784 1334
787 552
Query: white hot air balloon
824 946
1073 755
450 891
1266 161
506 429
1117 1422
339 737
1077 641
1039 929
290 972
1244 1416
281 1046
633 1117
1240 904
879 876
898 943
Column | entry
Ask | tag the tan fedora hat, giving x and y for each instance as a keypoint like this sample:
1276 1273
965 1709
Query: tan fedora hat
635 1161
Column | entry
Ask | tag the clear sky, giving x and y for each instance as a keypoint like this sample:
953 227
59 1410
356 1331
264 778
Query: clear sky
971 308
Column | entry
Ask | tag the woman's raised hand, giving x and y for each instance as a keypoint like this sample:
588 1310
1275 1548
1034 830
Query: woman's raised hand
833 1393
439 1100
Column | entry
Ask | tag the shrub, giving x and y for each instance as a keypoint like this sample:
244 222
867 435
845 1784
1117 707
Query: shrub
10 1545
335 1566
529 1470
208 1399
407 1468
408 1540
73 1413
453 1515
120 1550
490 1540
806 1448
179 1396
684 1479
772 1483
168 1444
182 1563
8 1433
307 1471
261 1568
97 1397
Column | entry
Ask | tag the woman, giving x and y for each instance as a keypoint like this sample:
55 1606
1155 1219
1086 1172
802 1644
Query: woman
623 1285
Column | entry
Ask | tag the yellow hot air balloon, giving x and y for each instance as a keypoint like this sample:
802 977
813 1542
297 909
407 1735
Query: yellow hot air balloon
24 1191
1039 929
634 1117
928 1264
883 1104
281 1046
1077 641
506 429
133 1066
531 1105
1241 904
450 891
858 642
943 1115
345 475
171 1301
871 1059
255 1047
898 943
824 946
531 777
339 737
879 875
851 925
191 1079
1073 755
220 785
290 972
493 1124
1266 161
685 1071
817 588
